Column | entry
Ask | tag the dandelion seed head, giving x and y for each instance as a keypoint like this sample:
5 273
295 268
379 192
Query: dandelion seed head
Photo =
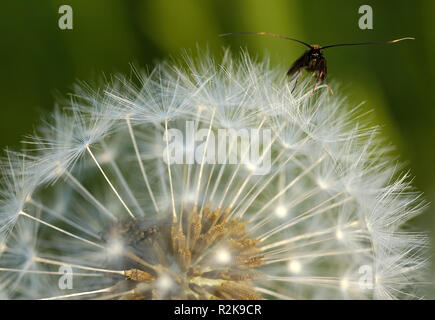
95 191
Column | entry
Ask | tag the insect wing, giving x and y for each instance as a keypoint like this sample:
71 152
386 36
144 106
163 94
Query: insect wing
297 65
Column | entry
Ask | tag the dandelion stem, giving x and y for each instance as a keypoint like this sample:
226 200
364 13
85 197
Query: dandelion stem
49 272
304 245
265 151
306 236
186 186
86 193
288 207
292 183
108 181
77 266
312 281
122 179
174 212
87 293
139 160
274 294
134 257
319 255
116 295
59 229
62 218
198 187
234 175
306 215
264 185
222 169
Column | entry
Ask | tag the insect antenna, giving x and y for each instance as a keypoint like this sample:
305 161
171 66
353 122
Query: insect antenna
265 34
366 43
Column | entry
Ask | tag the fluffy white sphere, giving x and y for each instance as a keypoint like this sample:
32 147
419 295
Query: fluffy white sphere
95 209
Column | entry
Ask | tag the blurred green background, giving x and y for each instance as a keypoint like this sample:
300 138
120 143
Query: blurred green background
38 60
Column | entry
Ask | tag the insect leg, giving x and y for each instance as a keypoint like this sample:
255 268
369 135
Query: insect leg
329 87
323 76
297 78
317 81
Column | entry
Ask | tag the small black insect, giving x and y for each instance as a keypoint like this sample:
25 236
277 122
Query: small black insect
312 60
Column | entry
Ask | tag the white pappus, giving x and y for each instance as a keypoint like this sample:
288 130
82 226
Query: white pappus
95 192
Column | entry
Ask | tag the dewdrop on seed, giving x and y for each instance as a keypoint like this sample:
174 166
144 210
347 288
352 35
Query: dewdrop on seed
299 200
